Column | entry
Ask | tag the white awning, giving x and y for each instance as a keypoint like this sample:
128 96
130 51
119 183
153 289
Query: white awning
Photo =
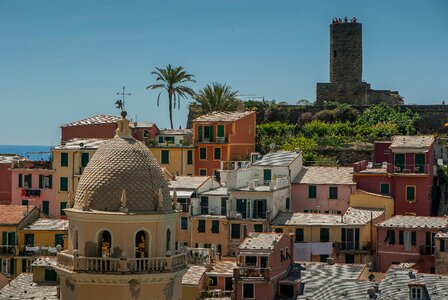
182 194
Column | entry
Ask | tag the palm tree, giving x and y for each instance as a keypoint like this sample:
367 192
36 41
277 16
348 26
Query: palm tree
217 97
171 80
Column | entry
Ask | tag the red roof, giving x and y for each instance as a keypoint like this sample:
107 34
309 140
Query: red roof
13 214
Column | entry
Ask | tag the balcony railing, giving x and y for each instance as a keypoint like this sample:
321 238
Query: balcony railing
364 166
413 169
28 164
216 140
352 247
252 272
131 265
37 251
7 249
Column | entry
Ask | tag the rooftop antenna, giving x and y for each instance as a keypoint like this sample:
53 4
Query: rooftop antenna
120 102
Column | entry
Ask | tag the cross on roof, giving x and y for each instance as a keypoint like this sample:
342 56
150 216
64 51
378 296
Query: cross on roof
120 103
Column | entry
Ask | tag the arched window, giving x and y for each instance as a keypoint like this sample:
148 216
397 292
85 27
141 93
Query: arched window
141 244
105 243
168 240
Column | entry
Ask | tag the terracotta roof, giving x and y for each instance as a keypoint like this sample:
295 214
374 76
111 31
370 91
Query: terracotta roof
412 141
23 287
415 222
278 159
48 224
188 182
223 116
353 216
123 164
95 120
260 241
193 275
78 144
13 214
105 119
325 175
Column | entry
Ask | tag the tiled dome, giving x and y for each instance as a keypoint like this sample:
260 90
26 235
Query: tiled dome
123 163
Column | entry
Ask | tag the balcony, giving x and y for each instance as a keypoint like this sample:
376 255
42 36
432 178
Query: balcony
28 164
30 193
249 272
217 140
127 265
36 251
369 167
352 247
7 250
427 250
409 169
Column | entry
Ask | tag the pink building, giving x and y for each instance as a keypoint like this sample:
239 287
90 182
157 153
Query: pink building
5 176
32 184
407 175
322 190
264 260
408 239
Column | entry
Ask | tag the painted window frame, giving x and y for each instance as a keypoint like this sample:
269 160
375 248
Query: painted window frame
406 193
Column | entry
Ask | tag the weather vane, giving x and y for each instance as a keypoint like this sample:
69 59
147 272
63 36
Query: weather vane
120 102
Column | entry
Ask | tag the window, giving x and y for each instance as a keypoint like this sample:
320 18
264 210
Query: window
199 133
416 293
299 235
62 206
202 153
224 205
407 238
278 230
212 280
400 237
29 239
145 133
248 290
258 227
288 203
201 226
63 184
50 275
20 180
217 154
241 207
390 237
84 159
204 205
384 188
46 207
324 235
215 226
59 240
324 257
236 231
410 193
349 259
442 245
312 191
189 157
165 157
333 192
413 238
208 133
259 209
64 159
267 175
24 201
45 181
202 172
220 131
250 260
184 223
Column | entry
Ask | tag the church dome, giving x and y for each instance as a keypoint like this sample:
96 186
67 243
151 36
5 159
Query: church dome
123 176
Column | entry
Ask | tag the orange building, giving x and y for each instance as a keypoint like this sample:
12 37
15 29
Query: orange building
222 136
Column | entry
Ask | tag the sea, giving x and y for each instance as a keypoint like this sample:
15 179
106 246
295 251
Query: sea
33 152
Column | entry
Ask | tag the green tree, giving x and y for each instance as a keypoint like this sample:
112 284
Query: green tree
307 146
172 81
217 97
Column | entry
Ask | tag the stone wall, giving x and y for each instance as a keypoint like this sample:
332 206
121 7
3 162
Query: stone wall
346 157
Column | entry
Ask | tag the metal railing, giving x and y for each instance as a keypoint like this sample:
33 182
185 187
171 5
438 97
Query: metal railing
8 249
253 272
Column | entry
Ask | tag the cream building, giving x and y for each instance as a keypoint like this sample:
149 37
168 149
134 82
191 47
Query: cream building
122 228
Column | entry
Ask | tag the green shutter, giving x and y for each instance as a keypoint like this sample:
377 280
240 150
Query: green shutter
30 181
410 193
64 184
4 238
160 139
46 207
384 188
236 231
13 266
419 163
258 227
199 133
84 159
399 160
220 130
23 265
267 175
333 192
190 157
59 240
211 133
41 181
24 201
50 275
312 191
20 180
165 157
50 179
64 159
62 205
12 238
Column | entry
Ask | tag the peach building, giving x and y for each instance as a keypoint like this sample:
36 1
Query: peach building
322 190
33 184
409 239
6 160
222 136
264 260
122 228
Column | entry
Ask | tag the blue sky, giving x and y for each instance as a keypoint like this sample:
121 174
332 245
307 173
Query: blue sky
62 61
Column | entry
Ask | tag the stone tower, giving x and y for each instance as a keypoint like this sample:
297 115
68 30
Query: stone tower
346 84
346 52
122 228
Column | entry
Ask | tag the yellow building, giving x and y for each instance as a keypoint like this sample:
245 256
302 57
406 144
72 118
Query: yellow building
365 199
40 238
173 150
69 161
348 238
122 233
12 219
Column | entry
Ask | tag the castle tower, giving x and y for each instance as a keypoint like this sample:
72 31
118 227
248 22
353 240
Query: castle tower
122 228
346 52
